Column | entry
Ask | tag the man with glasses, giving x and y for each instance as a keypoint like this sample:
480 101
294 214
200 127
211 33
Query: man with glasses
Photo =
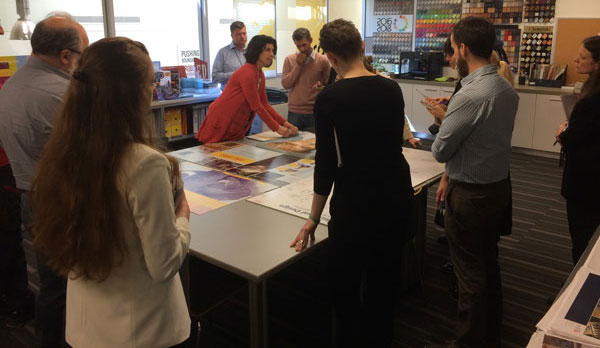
28 104
231 57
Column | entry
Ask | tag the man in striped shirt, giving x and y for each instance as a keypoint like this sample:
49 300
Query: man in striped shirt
474 142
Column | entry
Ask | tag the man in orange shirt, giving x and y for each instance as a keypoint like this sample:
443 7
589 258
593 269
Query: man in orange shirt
301 72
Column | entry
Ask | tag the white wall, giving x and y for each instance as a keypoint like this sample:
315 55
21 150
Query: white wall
348 9
577 8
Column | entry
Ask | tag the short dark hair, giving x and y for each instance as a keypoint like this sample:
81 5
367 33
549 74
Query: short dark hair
341 38
50 40
236 26
447 49
478 34
257 45
301 33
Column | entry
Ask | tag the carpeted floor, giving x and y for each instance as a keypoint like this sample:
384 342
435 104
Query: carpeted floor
535 260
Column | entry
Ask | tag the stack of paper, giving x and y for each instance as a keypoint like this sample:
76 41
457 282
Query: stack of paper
575 315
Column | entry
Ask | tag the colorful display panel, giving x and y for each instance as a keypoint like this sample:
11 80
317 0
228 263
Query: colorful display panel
497 11
434 23
539 11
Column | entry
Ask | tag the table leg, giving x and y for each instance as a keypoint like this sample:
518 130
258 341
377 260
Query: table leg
257 299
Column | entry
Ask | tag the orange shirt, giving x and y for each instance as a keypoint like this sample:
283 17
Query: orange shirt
230 116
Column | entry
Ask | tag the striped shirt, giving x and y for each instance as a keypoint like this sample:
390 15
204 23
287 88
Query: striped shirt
474 138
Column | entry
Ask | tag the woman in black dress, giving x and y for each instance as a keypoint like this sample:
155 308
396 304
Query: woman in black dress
359 148
580 139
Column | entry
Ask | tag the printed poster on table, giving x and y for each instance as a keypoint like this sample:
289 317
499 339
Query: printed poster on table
280 170
207 189
295 199
223 156
303 143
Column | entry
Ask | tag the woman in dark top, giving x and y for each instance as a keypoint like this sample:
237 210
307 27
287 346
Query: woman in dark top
359 148
580 139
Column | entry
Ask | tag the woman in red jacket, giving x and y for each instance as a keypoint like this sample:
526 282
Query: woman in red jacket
230 116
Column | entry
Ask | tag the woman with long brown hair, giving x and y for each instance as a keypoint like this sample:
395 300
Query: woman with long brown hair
104 208
581 145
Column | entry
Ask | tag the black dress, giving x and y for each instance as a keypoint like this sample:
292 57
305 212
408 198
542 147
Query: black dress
371 203
581 144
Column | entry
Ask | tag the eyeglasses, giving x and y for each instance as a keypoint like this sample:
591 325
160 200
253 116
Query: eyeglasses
72 50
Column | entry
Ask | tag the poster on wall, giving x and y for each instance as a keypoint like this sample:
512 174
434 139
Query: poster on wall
390 24
9 65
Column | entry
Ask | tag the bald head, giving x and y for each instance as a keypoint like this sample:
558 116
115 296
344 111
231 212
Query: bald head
54 34
59 41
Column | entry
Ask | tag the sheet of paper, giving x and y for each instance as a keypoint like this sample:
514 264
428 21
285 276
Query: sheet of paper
264 136
571 313
423 166
305 145
244 154
199 153
295 199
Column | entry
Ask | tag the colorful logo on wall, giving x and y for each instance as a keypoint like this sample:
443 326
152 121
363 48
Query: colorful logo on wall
393 24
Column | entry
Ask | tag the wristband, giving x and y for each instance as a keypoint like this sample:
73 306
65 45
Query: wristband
316 221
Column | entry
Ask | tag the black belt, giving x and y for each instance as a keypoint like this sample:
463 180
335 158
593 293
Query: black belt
469 185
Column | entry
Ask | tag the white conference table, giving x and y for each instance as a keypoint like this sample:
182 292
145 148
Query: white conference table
252 241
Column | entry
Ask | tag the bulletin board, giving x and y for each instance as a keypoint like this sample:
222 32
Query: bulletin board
570 32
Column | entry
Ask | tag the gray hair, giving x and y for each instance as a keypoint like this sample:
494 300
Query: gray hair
236 26
63 14
301 33
50 40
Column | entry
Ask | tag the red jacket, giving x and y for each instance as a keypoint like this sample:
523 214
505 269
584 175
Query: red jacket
230 116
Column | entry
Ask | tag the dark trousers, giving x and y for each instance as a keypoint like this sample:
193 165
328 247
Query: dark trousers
474 219
584 218
13 265
362 280
50 305
304 122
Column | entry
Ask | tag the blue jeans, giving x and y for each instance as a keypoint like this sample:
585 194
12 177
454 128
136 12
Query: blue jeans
51 302
304 122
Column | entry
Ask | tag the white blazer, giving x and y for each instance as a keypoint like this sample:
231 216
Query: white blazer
141 303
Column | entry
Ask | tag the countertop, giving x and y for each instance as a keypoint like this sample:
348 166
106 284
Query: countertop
518 88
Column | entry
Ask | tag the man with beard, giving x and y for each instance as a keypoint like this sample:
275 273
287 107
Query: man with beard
474 142
301 72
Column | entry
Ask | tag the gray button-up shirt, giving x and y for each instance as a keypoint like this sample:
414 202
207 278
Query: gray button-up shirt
474 138
228 60
28 105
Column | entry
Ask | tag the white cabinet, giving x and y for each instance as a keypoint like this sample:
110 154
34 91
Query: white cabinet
407 92
523 132
420 118
549 114
446 91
